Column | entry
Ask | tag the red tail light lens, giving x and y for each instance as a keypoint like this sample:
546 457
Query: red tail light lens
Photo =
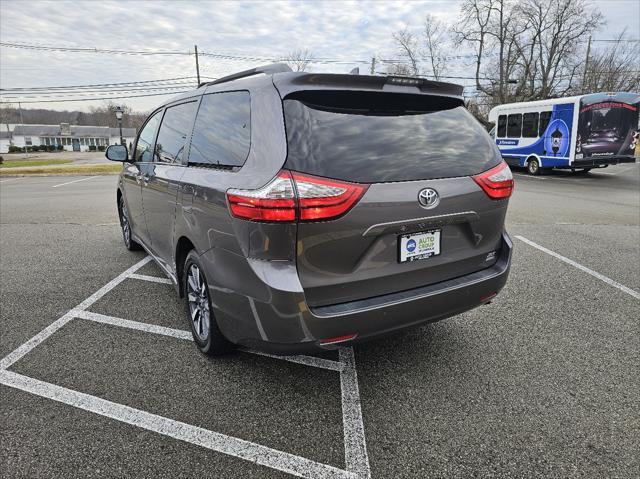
497 182
276 201
323 199
292 196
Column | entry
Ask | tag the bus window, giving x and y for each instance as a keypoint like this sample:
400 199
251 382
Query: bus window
514 126
545 116
502 126
530 125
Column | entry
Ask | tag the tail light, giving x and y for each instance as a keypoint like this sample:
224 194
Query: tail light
292 196
497 182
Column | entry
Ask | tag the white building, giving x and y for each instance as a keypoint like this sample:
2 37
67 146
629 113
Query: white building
5 141
71 137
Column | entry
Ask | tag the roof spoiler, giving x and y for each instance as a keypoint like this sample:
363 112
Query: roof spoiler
287 84
265 69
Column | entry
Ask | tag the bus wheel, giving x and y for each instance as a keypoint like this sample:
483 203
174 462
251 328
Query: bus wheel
533 167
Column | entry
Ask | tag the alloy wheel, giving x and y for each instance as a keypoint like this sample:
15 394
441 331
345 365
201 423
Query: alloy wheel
124 222
198 302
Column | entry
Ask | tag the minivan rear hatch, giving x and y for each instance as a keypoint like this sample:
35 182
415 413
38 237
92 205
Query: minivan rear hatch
403 146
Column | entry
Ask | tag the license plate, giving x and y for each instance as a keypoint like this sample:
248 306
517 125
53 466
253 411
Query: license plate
417 246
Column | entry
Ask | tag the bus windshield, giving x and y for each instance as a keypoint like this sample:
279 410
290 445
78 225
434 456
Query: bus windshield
606 119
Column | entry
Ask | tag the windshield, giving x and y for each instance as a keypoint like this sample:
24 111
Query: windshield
385 142
606 119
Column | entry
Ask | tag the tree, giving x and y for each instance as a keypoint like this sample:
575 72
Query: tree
435 45
408 49
424 54
613 68
298 60
538 45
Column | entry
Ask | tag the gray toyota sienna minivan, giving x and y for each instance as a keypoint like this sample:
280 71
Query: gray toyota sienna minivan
300 211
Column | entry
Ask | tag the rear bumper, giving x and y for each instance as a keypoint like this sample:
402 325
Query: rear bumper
594 162
294 328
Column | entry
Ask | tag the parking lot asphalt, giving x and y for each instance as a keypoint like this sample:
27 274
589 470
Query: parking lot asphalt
542 382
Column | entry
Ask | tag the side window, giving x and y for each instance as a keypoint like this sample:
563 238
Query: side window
172 136
545 116
530 125
222 132
514 126
144 144
502 126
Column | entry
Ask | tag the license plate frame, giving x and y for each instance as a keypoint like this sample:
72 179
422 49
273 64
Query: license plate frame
407 255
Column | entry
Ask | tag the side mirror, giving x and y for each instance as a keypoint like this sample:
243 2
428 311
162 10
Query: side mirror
117 153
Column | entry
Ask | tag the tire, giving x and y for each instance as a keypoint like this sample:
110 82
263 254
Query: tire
125 226
533 167
197 300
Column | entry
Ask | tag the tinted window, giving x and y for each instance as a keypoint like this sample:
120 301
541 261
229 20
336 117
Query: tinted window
545 116
222 132
172 136
514 126
530 125
384 144
144 145
502 126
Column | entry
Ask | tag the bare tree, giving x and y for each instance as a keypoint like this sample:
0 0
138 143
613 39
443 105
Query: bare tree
538 45
613 68
408 47
298 60
435 45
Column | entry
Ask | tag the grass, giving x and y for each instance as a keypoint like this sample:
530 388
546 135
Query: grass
100 169
27 163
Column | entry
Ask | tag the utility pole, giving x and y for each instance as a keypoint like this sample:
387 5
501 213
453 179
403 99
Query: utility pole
197 65
586 65
373 65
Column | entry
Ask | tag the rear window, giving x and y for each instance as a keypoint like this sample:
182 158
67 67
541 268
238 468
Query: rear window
377 137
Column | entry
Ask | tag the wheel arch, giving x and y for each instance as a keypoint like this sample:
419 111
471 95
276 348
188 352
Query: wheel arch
183 246
534 156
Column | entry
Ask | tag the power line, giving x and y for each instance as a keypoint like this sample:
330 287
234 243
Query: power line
100 84
95 99
92 92
26 46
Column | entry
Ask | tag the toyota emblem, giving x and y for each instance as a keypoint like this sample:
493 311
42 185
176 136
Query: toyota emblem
428 198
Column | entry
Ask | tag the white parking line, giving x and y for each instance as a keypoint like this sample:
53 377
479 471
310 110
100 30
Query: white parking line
125 323
74 181
11 179
593 273
305 360
356 457
183 334
232 446
355 446
153 279
53 327
522 175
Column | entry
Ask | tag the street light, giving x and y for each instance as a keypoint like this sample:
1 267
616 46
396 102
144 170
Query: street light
119 113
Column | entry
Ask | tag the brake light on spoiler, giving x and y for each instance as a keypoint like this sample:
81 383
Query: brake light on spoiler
293 196
497 182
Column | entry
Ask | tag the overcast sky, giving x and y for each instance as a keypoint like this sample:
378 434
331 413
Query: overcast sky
340 31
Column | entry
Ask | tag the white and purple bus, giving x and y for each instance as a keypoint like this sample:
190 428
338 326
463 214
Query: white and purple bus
577 133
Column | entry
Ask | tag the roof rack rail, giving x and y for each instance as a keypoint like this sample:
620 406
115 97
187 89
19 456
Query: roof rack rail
266 69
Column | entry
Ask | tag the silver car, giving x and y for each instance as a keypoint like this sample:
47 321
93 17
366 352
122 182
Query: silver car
301 211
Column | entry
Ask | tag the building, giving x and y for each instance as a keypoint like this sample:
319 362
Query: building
5 141
71 137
